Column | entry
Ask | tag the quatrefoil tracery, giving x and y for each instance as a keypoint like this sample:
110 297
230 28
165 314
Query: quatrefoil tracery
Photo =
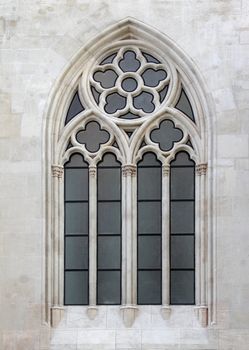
92 136
166 135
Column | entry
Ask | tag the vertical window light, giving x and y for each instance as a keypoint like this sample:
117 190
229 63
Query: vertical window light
149 230
76 231
182 230
109 231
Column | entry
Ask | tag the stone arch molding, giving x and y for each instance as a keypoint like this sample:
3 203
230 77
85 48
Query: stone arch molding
182 73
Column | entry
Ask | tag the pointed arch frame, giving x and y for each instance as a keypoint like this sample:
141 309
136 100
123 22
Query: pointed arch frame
57 105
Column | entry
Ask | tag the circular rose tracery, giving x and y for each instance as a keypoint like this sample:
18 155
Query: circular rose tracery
129 82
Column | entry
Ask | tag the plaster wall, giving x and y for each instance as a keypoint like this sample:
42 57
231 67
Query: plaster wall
38 40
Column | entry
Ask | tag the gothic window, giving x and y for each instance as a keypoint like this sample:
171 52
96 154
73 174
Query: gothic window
130 152
129 83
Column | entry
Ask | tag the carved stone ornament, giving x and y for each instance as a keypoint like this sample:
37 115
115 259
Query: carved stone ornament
57 313
92 171
166 170
166 312
92 312
201 169
129 170
129 314
57 171
128 86
202 315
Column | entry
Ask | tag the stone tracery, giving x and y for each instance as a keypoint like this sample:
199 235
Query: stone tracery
143 108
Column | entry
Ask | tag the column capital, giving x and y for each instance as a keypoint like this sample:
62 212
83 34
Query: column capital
166 170
57 171
92 170
129 170
201 169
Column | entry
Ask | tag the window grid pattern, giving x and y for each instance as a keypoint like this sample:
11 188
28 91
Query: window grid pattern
149 231
182 230
109 244
76 231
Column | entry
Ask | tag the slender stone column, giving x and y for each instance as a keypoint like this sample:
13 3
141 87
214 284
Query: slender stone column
58 245
165 242
129 244
201 256
92 309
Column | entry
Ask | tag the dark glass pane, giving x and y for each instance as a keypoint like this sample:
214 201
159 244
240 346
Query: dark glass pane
182 252
76 287
106 79
74 108
144 101
182 158
69 145
129 115
109 287
182 183
182 217
149 287
108 184
76 218
149 217
109 59
149 159
93 136
149 252
153 77
129 133
129 62
163 93
166 135
109 160
150 58
182 287
76 253
149 183
109 252
109 216
114 102
76 160
76 187
184 105
189 143
129 84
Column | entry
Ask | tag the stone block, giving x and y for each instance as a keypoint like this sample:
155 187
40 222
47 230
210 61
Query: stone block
96 338
128 339
233 146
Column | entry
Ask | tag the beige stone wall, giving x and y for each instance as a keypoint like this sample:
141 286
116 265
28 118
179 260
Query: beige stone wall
38 40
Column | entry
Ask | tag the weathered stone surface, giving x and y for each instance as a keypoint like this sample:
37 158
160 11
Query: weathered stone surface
38 40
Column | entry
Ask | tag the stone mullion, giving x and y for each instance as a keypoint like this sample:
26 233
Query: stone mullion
57 260
165 241
201 293
129 245
92 235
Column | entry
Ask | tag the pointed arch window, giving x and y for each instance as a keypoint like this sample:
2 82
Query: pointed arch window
132 146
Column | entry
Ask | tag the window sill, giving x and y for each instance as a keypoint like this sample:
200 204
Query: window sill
129 316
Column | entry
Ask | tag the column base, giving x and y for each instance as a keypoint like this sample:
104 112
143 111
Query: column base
166 312
202 315
129 313
57 313
92 312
